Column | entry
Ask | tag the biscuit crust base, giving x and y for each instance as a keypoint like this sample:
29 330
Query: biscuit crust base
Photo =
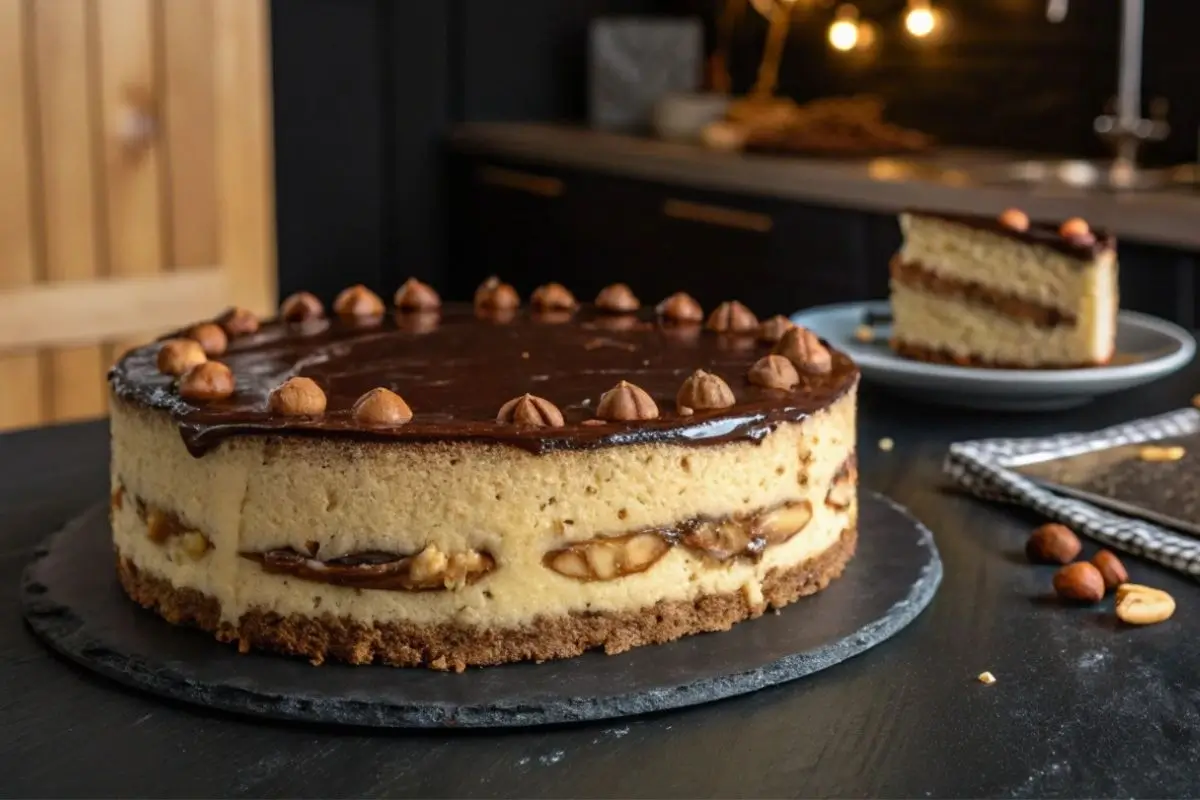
453 647
930 355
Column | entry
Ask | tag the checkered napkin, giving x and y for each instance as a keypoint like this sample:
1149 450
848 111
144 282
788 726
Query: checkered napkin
982 468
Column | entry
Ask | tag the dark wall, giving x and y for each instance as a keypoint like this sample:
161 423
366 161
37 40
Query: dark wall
1002 75
364 91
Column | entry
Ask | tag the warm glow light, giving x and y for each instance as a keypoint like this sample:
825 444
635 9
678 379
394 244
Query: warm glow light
843 35
919 21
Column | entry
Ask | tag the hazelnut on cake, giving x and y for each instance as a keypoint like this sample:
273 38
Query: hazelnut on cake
448 486
1004 292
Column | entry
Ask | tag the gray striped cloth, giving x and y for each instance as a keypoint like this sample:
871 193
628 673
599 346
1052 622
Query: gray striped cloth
983 468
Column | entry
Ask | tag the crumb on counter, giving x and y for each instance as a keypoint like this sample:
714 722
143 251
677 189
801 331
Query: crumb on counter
864 333
986 678
1155 453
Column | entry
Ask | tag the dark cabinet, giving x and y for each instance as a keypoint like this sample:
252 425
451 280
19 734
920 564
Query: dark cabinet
532 223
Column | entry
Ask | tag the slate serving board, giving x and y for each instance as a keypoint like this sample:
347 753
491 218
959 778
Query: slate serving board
72 601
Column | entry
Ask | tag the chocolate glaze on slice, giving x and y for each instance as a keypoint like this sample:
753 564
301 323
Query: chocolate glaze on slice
1038 233
456 369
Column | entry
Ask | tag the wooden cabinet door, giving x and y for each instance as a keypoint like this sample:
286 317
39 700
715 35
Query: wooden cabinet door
135 185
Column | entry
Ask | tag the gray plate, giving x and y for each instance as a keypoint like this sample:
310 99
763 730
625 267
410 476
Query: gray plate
1147 349
72 601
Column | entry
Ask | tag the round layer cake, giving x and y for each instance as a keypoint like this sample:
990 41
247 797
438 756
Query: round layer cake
470 485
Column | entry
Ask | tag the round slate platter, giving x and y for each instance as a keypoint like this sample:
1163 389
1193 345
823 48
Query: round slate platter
72 601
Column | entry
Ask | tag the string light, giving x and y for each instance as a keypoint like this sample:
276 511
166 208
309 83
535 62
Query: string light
843 32
920 20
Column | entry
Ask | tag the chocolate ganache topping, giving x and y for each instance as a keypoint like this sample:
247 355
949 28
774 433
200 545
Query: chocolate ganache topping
458 366
1037 233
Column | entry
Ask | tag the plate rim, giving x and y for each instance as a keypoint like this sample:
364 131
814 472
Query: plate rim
1070 381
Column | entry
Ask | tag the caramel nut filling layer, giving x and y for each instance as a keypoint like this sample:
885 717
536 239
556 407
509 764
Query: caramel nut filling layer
610 557
428 570
915 275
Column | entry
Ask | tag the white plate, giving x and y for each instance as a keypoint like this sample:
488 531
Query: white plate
1147 349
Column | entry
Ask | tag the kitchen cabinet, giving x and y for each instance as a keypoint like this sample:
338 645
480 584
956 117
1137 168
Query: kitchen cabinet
533 222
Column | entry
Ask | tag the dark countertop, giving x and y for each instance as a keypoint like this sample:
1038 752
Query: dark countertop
1081 707
884 185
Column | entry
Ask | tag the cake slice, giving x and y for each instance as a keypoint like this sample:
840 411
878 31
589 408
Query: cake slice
1002 292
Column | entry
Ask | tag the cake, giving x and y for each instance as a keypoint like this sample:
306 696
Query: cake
1003 292
461 485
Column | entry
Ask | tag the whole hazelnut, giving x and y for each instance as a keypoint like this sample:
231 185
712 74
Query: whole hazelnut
617 299
297 397
703 391
238 322
177 356
380 406
1015 219
773 372
773 329
626 402
413 295
1076 229
357 301
552 297
301 307
732 317
1111 569
211 337
207 382
530 410
802 347
680 307
495 295
1080 582
1052 543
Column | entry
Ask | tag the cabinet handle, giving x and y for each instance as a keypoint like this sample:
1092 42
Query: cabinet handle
718 215
543 185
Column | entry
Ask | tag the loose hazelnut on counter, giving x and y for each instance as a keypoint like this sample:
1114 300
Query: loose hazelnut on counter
1015 219
210 336
298 397
1052 543
626 402
773 372
552 297
238 322
496 295
177 356
358 301
414 295
732 317
617 299
772 330
301 307
802 347
1077 230
1080 582
1111 569
703 391
680 307
380 406
206 382
530 410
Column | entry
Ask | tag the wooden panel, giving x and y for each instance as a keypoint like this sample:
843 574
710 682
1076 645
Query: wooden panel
20 397
243 114
70 186
132 154
66 313
188 78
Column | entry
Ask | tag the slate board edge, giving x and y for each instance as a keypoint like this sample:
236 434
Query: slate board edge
60 629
